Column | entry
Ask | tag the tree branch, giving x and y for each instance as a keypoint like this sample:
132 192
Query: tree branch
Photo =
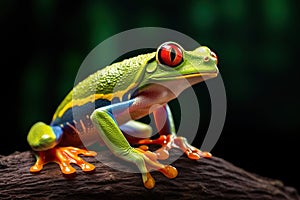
212 178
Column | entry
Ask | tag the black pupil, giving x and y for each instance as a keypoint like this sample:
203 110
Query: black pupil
173 54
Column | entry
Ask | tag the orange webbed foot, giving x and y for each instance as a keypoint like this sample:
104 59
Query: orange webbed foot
151 164
64 156
171 141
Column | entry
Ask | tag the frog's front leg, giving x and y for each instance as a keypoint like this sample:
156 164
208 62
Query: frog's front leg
106 120
168 139
44 140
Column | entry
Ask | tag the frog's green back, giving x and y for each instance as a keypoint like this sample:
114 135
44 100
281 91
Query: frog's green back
110 82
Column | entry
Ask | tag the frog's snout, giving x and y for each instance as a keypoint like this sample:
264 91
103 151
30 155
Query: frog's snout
214 55
207 54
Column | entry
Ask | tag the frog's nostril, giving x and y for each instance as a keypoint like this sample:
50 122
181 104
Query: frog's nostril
214 56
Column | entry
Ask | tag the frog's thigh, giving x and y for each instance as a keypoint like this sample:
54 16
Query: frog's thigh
137 129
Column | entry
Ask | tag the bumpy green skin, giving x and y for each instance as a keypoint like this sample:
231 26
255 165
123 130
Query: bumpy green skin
139 73
118 76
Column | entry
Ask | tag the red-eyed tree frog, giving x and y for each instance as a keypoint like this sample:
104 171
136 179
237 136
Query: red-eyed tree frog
109 104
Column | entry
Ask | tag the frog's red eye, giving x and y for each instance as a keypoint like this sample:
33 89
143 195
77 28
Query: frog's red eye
170 54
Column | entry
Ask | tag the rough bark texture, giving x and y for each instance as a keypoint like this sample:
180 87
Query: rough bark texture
212 178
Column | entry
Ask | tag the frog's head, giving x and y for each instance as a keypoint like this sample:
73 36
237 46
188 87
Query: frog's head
172 62
42 136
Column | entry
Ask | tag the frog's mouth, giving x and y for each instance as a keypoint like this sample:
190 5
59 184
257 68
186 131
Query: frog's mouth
204 75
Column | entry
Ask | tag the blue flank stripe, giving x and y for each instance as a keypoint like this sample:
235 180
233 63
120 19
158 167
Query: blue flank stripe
80 112
119 107
58 132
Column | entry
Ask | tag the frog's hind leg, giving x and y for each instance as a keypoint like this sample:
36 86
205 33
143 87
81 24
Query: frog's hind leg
45 140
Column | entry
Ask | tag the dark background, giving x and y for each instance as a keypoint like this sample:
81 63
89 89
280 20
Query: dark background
44 42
